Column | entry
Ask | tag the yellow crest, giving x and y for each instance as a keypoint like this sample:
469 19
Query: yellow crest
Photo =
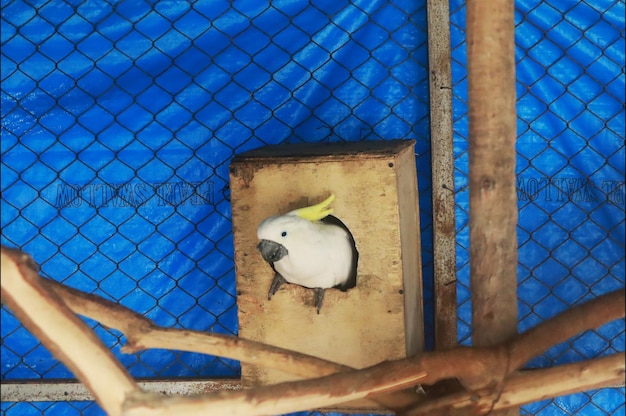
316 212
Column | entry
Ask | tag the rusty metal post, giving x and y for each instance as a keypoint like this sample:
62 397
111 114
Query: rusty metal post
444 229
493 198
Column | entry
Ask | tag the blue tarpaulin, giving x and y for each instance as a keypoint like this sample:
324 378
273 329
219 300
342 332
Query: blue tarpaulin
119 121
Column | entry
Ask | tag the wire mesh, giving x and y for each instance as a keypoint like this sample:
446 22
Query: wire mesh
119 120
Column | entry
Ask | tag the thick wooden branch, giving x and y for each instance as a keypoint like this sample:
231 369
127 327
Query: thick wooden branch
532 386
477 367
326 391
567 379
483 371
590 315
141 333
279 398
492 182
69 339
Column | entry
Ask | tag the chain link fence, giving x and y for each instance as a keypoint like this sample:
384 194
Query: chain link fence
119 120
570 167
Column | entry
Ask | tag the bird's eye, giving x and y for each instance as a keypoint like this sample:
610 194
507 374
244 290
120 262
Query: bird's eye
283 234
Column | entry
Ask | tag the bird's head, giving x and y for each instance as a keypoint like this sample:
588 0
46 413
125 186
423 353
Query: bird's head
272 235
278 233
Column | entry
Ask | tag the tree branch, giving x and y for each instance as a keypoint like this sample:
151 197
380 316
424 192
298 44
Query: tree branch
326 391
532 386
64 334
590 315
483 371
141 333
279 398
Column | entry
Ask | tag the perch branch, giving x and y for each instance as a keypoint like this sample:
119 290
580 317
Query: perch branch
531 386
64 334
590 315
492 182
480 369
337 388
141 333
474 366
320 392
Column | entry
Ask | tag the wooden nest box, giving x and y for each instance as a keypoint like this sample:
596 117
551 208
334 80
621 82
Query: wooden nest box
375 184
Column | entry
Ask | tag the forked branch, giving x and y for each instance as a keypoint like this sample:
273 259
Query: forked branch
46 307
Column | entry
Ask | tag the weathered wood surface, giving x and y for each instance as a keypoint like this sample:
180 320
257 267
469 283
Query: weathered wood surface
493 197
376 197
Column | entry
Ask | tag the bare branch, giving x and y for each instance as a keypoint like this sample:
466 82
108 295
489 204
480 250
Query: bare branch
330 390
284 397
483 371
589 315
69 339
141 333
531 386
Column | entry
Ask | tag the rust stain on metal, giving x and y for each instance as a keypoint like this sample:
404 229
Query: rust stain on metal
444 227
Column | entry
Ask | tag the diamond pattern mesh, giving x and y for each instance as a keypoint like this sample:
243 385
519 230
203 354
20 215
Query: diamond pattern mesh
119 121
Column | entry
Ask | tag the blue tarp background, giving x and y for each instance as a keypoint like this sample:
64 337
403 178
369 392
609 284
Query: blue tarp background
119 121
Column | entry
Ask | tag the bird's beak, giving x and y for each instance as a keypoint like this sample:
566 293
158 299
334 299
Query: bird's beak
271 250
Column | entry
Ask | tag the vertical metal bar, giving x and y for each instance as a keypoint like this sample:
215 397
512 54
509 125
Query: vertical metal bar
444 229
493 198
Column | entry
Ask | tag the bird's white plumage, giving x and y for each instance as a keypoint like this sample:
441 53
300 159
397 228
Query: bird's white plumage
319 254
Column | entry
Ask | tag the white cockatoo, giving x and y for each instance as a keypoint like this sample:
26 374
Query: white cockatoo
311 248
